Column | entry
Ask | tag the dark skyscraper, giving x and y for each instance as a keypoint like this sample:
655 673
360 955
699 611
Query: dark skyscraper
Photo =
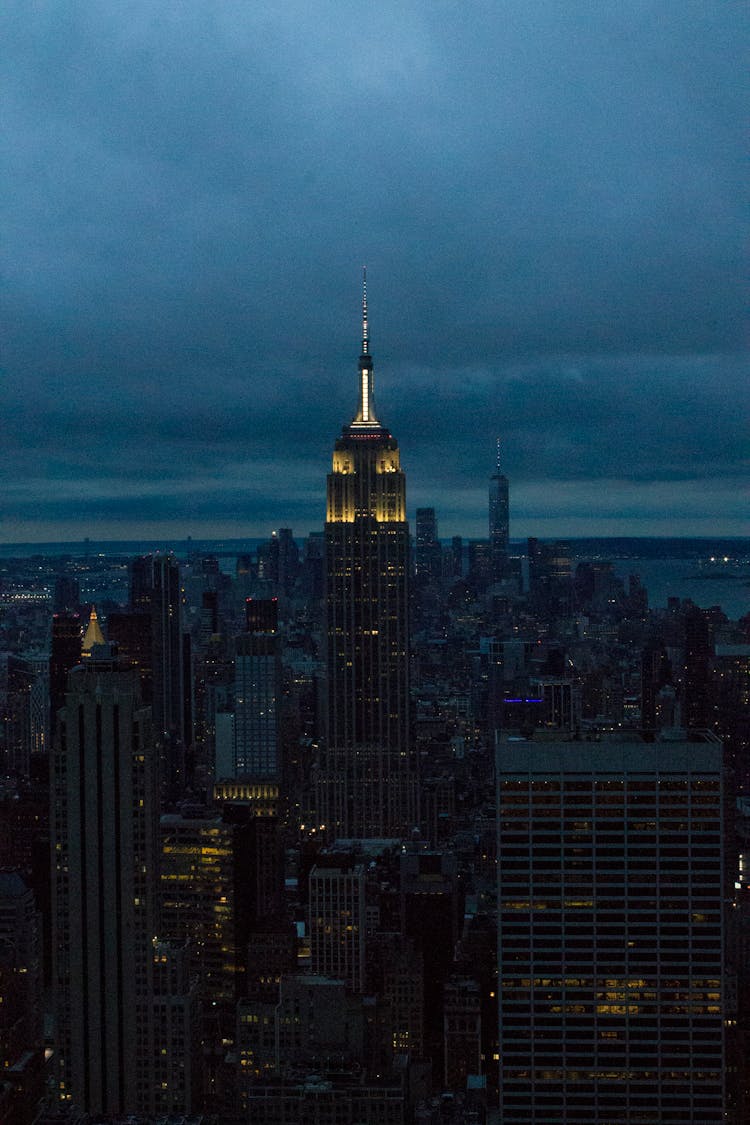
499 519
366 780
428 555
104 828
257 693
67 595
65 653
155 593
155 590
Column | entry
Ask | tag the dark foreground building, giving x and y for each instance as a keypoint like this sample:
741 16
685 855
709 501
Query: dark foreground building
611 887
104 822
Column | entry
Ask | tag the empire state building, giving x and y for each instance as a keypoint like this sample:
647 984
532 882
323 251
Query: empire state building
366 784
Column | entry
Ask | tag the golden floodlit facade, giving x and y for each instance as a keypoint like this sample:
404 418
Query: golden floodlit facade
366 782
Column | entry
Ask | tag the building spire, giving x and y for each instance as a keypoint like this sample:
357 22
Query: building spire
94 635
365 416
498 466
365 329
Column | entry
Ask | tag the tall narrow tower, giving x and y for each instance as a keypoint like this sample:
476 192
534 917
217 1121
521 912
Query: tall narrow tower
366 780
104 890
499 524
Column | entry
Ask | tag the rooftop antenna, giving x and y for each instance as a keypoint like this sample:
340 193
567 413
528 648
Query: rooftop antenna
366 414
365 330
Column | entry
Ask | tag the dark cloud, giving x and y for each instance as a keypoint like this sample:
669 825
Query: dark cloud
546 196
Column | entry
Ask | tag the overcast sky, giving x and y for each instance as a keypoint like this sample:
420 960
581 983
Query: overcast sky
547 198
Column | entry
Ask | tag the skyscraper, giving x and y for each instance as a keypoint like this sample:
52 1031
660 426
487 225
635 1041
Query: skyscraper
366 784
21 995
155 591
65 653
611 889
337 919
257 691
428 555
498 520
104 832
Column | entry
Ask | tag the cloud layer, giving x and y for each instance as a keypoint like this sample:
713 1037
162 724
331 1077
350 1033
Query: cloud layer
546 197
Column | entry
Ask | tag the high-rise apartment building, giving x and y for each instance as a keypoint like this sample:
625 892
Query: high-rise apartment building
366 784
611 890
104 810
499 519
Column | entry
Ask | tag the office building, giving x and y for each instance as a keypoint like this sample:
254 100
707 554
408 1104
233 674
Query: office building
431 906
366 782
21 1001
337 920
131 633
177 1031
550 580
456 557
313 1025
462 1031
65 653
155 592
24 689
104 816
66 597
480 564
257 692
428 553
203 871
281 560
730 673
221 877
611 891
499 520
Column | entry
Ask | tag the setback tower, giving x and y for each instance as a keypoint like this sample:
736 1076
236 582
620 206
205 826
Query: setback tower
366 783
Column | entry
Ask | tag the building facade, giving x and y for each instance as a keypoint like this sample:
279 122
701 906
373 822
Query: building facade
611 888
499 517
337 922
428 553
366 783
104 810
257 692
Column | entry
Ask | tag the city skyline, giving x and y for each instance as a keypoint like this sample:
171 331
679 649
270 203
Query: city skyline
548 203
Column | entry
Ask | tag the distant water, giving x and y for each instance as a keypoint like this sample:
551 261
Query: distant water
130 548
671 577
677 578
